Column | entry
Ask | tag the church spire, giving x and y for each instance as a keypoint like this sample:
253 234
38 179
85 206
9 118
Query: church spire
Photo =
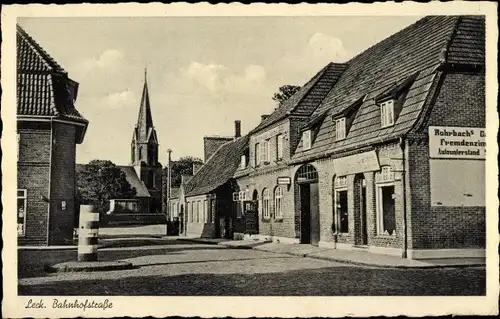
145 119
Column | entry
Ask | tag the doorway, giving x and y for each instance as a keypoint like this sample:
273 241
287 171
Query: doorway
308 193
360 188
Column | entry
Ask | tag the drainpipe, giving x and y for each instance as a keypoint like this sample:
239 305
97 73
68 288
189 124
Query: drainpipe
403 181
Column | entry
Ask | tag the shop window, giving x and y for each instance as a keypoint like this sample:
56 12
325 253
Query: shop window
266 211
386 212
306 140
278 203
340 129
387 113
279 146
21 211
341 204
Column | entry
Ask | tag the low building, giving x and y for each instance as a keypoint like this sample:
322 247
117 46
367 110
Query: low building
208 194
48 130
392 159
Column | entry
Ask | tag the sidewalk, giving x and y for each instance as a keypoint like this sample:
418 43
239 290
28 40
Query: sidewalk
366 258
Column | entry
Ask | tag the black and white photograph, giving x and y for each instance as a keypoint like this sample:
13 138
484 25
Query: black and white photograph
335 152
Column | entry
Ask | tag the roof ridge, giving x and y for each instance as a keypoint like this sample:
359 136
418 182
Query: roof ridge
47 59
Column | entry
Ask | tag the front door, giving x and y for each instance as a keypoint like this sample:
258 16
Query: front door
314 209
305 214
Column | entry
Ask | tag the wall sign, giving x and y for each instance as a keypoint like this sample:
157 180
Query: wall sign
284 180
457 142
357 163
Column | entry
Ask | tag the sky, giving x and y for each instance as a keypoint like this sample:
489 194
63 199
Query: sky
203 72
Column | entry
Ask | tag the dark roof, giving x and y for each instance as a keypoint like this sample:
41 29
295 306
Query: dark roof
387 66
219 169
305 100
43 87
134 180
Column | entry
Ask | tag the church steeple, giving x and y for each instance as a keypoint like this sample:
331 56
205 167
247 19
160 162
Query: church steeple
144 142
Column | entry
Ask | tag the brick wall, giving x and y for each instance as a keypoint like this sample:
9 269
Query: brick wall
33 171
62 184
460 102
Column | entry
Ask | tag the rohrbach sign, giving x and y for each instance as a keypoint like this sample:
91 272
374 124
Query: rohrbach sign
457 142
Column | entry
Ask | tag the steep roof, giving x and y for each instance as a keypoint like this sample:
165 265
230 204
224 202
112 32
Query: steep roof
308 97
43 86
144 125
416 51
219 169
134 180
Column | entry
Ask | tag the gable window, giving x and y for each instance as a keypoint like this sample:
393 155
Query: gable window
257 154
385 199
278 203
266 211
279 146
21 211
340 129
306 140
387 113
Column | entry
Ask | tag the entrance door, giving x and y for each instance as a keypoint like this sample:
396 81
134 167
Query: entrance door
364 222
305 214
314 213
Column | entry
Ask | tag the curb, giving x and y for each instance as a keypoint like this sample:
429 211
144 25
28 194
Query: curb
358 263
75 266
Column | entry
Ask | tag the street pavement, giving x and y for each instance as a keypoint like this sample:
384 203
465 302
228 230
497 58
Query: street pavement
182 268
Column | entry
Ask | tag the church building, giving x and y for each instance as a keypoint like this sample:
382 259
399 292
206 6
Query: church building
144 172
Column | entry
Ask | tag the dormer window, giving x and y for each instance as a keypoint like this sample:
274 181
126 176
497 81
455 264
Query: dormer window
387 113
340 129
243 162
306 140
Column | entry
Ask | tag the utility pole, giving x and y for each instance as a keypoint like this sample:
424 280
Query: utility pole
169 182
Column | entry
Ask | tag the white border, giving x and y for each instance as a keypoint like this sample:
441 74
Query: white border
13 305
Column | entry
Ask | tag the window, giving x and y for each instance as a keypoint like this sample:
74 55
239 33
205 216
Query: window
153 175
387 113
306 140
340 129
198 211
190 211
341 204
268 151
21 211
257 154
386 212
266 212
18 145
243 162
263 151
279 146
177 211
205 211
278 203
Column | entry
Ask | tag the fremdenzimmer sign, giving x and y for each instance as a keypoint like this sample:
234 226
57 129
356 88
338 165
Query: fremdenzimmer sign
457 142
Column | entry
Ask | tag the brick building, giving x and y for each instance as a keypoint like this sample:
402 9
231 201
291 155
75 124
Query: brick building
48 129
205 199
384 153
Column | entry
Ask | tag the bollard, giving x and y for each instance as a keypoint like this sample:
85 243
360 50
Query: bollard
88 233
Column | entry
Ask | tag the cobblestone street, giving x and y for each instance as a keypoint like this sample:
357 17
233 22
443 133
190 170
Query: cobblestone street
175 268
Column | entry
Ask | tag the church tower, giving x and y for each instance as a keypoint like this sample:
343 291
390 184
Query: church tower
144 151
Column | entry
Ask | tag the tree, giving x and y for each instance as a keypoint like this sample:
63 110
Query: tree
99 181
184 166
284 93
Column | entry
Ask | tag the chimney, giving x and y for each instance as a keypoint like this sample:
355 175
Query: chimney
237 129
196 167
263 117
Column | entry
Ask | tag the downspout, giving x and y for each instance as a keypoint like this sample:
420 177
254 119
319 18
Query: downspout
403 181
